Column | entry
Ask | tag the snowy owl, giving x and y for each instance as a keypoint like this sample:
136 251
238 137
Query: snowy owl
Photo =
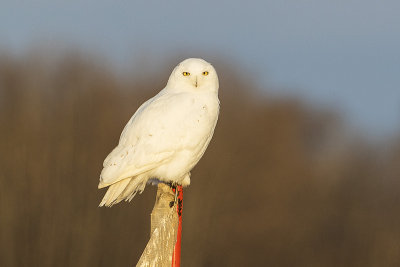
166 136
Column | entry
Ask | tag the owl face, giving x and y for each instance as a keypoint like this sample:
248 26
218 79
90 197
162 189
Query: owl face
194 74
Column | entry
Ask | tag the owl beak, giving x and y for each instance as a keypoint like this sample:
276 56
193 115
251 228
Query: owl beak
195 82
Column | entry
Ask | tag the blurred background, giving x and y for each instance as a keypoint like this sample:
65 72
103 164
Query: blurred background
303 169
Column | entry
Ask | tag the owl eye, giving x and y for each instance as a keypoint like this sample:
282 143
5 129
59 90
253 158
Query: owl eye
186 73
205 73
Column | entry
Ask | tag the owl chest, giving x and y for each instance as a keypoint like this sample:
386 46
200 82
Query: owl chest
200 115
195 121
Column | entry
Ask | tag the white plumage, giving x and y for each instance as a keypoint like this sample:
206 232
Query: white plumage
166 136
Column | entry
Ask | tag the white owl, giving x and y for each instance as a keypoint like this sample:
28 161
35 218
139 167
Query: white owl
166 136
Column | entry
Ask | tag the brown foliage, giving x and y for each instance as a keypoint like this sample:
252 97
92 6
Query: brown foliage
277 187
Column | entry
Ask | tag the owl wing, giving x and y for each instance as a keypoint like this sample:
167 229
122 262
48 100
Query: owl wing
150 138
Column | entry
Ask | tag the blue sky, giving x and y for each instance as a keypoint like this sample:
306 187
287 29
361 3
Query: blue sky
344 54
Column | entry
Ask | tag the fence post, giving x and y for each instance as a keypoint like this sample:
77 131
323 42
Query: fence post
163 248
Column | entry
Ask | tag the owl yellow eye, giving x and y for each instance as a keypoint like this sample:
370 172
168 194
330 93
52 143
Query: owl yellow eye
186 73
205 73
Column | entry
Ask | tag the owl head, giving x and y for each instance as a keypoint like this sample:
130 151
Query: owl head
193 74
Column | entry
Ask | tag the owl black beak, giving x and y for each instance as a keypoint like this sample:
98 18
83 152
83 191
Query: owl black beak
195 84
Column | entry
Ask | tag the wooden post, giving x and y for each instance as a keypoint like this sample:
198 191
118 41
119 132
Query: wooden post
163 248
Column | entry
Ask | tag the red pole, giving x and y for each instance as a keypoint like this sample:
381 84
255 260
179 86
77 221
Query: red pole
176 255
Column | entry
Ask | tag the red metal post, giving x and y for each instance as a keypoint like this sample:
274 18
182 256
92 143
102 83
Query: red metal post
176 255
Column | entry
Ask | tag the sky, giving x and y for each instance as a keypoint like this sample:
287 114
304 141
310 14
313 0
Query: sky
340 54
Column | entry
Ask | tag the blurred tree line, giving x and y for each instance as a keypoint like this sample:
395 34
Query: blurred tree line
280 185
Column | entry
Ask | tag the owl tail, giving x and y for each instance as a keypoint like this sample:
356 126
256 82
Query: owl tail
124 189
